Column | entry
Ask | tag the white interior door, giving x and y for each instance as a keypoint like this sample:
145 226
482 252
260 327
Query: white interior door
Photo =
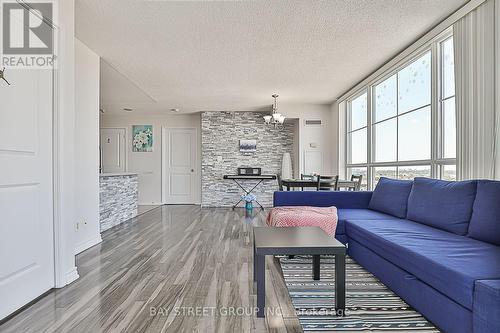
113 149
26 206
179 151
313 161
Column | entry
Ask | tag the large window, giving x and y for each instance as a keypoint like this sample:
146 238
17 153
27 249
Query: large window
403 125
357 135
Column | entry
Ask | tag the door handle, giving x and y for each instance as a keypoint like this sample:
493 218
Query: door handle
192 170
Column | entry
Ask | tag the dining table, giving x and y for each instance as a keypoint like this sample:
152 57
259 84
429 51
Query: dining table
291 183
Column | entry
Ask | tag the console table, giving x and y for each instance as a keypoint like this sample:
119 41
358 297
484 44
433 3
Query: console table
293 241
259 178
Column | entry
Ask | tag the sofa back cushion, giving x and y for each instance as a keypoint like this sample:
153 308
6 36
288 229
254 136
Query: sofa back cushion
442 204
485 221
391 196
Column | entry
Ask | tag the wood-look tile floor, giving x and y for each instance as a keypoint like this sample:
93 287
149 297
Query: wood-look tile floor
141 209
168 270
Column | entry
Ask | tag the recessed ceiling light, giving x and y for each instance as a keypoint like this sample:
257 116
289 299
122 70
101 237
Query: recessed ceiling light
128 109
174 110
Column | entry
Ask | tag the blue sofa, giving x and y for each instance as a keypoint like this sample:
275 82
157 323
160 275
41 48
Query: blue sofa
435 243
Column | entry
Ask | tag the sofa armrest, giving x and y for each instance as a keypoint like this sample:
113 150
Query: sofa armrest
339 199
486 306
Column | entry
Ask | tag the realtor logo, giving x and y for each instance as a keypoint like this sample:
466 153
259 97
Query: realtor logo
27 34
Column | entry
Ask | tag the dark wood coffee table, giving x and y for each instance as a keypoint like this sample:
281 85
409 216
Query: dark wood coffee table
294 241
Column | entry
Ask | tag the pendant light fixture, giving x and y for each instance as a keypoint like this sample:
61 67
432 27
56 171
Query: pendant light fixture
275 119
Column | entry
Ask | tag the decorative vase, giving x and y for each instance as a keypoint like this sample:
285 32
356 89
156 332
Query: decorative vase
249 205
286 166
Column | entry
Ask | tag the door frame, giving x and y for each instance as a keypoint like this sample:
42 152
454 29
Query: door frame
125 141
164 154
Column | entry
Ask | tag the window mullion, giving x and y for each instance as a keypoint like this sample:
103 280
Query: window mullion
397 121
436 133
369 145
444 99
347 150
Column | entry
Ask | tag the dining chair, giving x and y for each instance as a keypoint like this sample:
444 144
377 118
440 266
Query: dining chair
306 177
328 183
280 184
358 179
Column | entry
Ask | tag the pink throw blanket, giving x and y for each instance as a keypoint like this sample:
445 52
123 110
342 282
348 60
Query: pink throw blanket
304 216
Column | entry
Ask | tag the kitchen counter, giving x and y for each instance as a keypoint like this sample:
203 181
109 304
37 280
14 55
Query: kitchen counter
117 174
119 195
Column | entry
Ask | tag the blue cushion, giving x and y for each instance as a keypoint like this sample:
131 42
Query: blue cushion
442 204
341 238
447 262
345 214
487 306
441 310
485 221
339 199
391 196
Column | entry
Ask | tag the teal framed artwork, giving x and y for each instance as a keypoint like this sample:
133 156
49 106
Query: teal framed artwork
142 138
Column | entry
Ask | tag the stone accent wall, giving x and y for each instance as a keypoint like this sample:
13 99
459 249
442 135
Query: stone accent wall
221 132
118 199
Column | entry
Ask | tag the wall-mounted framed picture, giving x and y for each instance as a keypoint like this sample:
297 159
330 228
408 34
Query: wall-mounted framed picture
142 138
248 146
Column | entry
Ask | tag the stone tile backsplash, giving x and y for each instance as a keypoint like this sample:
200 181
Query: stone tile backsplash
118 199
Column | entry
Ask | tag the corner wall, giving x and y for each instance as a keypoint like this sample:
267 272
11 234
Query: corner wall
87 232
64 146
315 141
336 142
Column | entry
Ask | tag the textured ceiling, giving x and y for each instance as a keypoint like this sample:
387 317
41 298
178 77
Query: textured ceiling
228 55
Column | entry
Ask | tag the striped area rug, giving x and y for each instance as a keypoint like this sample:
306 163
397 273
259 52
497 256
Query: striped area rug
370 305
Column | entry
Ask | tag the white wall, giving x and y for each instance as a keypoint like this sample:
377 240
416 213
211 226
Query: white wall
334 113
319 137
340 114
64 144
296 149
148 165
87 232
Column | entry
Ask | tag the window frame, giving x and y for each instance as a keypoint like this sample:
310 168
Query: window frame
348 125
436 160
441 101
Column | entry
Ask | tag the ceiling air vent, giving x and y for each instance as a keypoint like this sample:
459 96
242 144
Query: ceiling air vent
313 122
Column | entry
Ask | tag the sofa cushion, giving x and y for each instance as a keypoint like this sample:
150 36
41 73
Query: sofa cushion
358 214
486 306
442 204
485 221
391 196
447 262
339 199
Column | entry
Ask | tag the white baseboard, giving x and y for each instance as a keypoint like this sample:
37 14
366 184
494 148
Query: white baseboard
150 203
72 275
87 244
